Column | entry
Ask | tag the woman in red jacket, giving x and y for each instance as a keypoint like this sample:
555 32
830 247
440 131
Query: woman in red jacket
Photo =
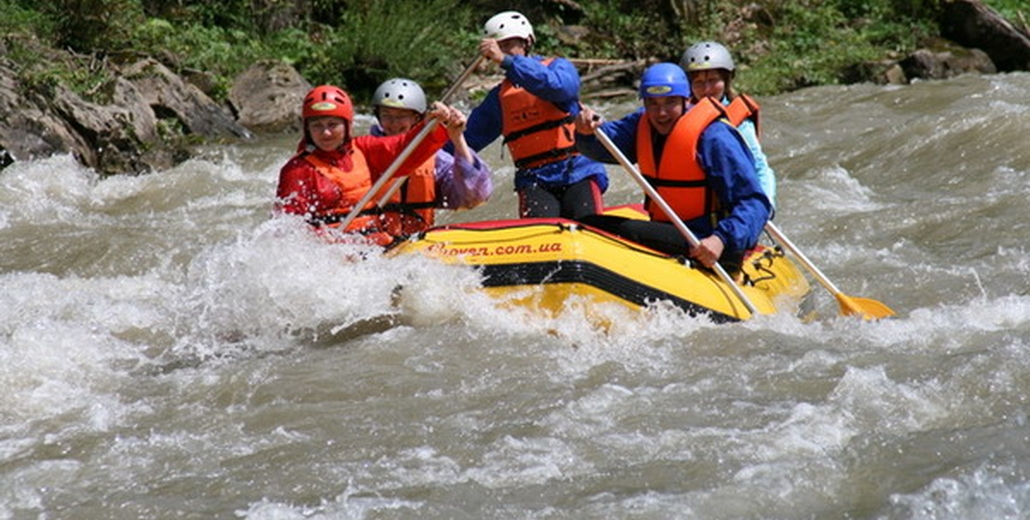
333 170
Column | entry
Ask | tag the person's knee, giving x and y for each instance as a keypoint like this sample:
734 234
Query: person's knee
582 199
604 222
535 201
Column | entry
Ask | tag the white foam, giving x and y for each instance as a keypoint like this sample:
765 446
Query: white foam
988 493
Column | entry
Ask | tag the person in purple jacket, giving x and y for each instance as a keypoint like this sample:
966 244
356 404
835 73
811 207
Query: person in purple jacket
458 180
534 108
695 159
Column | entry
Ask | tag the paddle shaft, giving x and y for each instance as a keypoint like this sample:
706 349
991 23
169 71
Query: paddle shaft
780 238
443 99
461 79
867 308
385 177
673 217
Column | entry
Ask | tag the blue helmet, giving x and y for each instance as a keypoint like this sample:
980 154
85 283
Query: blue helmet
664 80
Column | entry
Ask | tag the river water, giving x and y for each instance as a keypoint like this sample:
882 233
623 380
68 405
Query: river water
169 351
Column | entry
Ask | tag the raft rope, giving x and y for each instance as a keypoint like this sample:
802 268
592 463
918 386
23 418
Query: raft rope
763 263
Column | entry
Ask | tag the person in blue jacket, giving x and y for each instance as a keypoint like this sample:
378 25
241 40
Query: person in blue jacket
697 162
534 108
710 68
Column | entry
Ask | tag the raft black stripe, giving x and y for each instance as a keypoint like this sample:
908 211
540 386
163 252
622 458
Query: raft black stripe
534 273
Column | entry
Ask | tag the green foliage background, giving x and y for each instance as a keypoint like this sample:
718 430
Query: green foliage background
779 45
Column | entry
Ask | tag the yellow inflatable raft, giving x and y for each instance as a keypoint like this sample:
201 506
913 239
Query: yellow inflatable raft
542 263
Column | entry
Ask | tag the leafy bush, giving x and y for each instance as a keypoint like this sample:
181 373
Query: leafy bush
811 42
368 43
18 19
379 39
627 34
94 26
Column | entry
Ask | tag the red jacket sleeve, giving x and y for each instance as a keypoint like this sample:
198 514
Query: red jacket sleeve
303 191
380 152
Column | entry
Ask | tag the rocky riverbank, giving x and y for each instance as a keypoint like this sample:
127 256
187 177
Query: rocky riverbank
149 116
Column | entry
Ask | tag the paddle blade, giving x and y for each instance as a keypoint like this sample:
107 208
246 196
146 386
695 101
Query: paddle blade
869 309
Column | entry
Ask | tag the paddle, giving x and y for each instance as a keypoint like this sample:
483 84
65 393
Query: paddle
417 140
683 229
849 305
443 99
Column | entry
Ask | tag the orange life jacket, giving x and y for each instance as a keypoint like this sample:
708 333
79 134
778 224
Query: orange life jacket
411 208
536 131
353 184
743 107
678 177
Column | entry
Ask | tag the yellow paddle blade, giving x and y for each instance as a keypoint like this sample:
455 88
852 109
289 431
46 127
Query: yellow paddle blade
868 308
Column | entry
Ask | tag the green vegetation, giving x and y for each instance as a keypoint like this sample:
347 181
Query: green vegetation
819 43
781 45
1015 11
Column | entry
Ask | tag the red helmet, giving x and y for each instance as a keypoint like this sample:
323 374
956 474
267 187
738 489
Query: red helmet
327 100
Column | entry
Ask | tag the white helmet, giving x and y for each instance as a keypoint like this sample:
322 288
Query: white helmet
705 56
400 93
509 24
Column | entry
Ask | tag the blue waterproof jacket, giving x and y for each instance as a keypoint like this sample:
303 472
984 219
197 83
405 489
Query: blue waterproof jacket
729 169
557 82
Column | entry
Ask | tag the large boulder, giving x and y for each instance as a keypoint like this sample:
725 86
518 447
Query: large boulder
171 97
143 119
115 133
267 97
973 24
944 61
28 131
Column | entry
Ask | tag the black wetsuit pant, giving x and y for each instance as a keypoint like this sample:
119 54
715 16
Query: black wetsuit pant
660 236
574 201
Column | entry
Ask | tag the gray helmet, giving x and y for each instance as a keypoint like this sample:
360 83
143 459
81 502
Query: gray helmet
400 93
705 56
